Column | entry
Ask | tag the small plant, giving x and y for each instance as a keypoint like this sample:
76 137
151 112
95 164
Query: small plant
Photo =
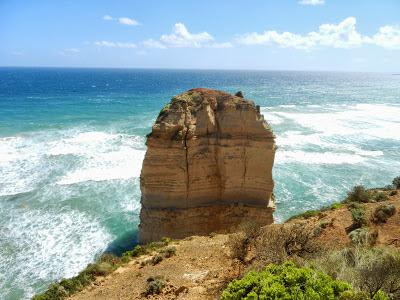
337 205
393 193
396 182
380 197
358 215
156 259
383 212
155 285
135 252
169 251
358 194
362 236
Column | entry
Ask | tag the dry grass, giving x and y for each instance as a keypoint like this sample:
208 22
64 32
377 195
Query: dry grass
366 269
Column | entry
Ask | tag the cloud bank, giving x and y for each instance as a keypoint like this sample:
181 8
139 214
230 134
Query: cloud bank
341 35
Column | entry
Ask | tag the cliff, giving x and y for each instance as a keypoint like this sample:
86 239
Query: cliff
202 266
208 167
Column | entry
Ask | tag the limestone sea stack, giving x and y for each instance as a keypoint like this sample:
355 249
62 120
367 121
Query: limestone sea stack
208 167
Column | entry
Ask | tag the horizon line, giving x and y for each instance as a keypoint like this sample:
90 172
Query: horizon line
200 69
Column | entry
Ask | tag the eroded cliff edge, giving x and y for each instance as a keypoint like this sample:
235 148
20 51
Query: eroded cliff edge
208 167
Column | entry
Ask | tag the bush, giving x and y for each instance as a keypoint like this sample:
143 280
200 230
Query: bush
54 292
239 241
169 251
358 216
306 215
393 193
277 243
371 270
102 269
362 236
156 259
137 251
396 182
285 281
383 212
358 194
337 205
380 197
154 285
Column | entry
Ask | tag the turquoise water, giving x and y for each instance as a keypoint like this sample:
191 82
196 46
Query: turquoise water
72 143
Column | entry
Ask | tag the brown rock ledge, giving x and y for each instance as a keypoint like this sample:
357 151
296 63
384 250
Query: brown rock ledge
208 167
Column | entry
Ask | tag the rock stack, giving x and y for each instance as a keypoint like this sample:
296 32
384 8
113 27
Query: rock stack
208 167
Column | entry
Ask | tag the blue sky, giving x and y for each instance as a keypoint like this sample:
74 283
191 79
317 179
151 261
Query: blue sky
346 35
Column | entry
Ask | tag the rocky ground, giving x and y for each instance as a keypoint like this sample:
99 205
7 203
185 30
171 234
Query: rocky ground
203 265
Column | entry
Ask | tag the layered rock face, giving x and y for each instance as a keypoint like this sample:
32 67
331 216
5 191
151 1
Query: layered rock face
208 167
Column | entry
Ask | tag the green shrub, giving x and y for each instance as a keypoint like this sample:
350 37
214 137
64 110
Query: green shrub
285 281
323 224
54 292
358 194
337 205
154 285
383 212
363 236
380 197
156 259
316 212
358 216
396 182
137 251
169 251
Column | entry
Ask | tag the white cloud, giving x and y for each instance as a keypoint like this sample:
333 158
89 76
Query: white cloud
115 44
387 37
150 43
108 18
181 37
312 2
342 35
128 21
69 52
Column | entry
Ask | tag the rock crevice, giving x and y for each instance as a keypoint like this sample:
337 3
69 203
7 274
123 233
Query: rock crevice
208 151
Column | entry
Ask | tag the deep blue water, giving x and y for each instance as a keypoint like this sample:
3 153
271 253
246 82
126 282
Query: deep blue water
72 143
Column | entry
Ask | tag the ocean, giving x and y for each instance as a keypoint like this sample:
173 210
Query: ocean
72 143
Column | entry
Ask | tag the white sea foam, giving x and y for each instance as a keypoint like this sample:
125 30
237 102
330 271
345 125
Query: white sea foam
122 164
49 245
369 121
72 156
336 134
329 158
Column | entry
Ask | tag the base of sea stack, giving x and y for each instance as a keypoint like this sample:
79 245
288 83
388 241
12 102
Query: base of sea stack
180 223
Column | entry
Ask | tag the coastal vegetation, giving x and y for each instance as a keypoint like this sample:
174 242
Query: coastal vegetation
105 265
288 281
331 253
